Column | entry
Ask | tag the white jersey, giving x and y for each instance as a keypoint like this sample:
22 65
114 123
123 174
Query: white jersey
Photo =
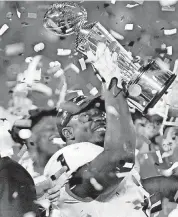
125 201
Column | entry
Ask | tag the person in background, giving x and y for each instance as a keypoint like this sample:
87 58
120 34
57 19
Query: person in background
103 180
147 129
17 189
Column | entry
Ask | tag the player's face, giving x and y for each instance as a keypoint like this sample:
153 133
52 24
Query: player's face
89 126
147 128
170 140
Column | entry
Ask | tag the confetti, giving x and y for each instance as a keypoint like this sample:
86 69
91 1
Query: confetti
169 50
53 69
129 27
29 214
3 29
94 91
131 6
15 194
136 152
39 47
96 185
50 103
25 133
170 31
146 156
116 35
113 1
51 64
63 52
121 175
167 2
57 63
82 64
14 49
58 141
32 15
29 74
168 8
59 73
28 59
18 13
128 165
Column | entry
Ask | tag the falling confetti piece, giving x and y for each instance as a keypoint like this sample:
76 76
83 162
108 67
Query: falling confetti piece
29 214
128 165
96 185
3 29
15 194
129 27
82 64
59 73
116 35
170 31
113 1
167 2
14 49
169 50
58 141
50 103
63 52
39 47
121 175
18 13
28 59
32 15
25 133
57 63
168 8
146 156
131 6
94 91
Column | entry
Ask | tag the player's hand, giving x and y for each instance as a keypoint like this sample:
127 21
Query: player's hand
54 192
106 63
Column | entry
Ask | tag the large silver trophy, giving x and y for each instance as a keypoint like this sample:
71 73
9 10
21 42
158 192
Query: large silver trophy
151 79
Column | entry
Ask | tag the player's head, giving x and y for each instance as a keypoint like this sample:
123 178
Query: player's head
170 138
86 124
148 125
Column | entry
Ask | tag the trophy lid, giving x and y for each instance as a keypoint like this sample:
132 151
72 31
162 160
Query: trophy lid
65 18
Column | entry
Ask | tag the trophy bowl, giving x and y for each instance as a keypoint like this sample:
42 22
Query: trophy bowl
64 18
